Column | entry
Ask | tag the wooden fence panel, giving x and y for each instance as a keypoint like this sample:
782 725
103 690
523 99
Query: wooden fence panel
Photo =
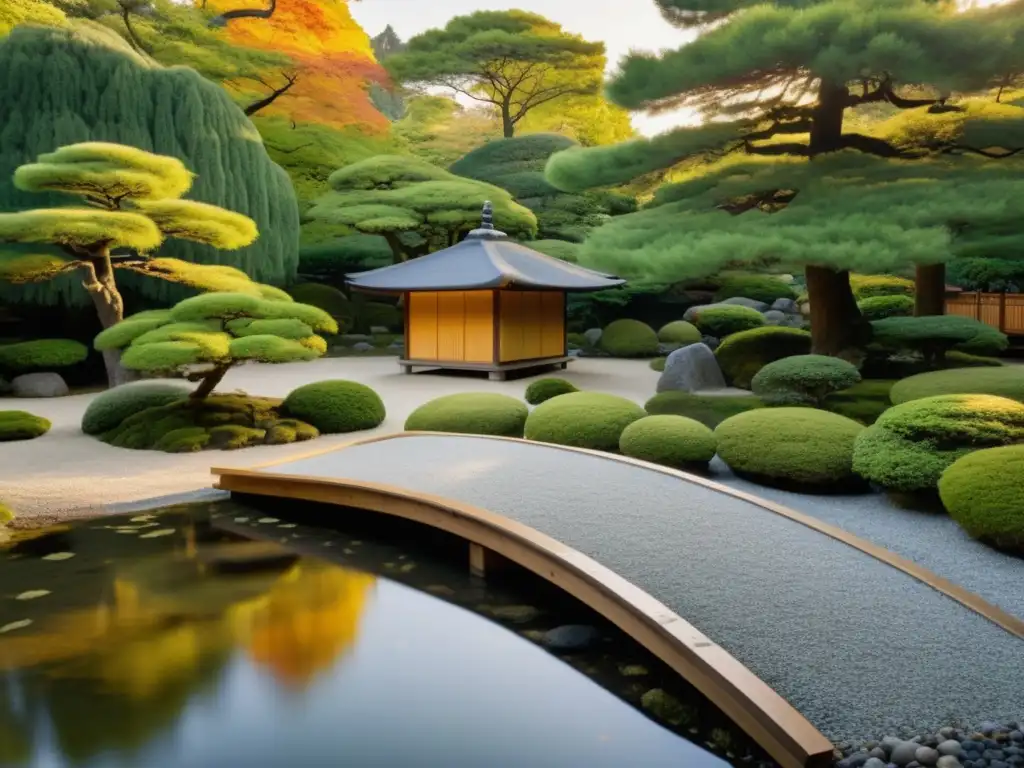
1004 311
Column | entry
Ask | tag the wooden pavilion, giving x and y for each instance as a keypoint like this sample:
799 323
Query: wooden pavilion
485 304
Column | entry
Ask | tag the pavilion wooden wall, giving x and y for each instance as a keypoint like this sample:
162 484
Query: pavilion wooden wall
532 325
457 326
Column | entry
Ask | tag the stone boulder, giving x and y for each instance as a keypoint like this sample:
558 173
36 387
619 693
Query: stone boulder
712 342
788 306
775 317
593 335
39 385
740 301
691 369
362 346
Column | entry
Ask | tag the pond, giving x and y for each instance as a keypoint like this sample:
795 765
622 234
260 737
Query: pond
188 638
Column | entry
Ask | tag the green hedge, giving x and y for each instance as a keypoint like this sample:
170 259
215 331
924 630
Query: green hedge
471 413
984 493
911 444
108 409
679 332
725 321
801 447
743 354
673 441
709 410
41 354
758 287
1005 381
21 425
583 419
803 379
326 297
870 286
544 389
336 405
935 335
881 307
629 338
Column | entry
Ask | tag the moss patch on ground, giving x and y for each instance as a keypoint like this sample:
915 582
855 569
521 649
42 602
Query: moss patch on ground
220 422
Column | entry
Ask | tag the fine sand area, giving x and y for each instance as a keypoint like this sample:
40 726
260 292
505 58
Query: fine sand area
66 474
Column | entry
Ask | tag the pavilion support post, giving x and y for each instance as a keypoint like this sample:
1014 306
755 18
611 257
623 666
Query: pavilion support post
483 561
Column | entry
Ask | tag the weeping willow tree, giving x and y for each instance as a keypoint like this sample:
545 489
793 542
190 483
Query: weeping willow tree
782 175
84 83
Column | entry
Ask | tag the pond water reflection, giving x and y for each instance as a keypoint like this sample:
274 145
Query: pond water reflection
163 641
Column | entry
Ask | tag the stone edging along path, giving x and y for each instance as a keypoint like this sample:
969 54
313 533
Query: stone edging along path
859 647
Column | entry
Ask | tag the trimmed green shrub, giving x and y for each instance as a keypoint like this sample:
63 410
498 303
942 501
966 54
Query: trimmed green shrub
544 389
336 405
658 364
21 425
1005 381
801 447
629 338
743 354
326 297
709 410
881 307
577 340
863 402
987 341
935 335
758 287
373 314
956 359
110 408
911 444
471 413
870 286
725 321
583 419
803 379
984 493
673 441
679 332
6 514
41 354
223 422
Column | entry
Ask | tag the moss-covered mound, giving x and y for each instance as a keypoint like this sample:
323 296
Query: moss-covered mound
790 447
6 514
110 408
544 389
21 425
984 493
869 286
1004 381
583 419
471 413
910 445
673 441
629 338
658 364
709 410
679 332
218 422
743 354
722 321
803 379
336 405
933 336
881 307
41 354
758 287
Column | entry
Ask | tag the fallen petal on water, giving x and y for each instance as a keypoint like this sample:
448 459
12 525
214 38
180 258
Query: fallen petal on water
268 520
286 525
15 625
32 594
141 518
59 556
157 534
241 519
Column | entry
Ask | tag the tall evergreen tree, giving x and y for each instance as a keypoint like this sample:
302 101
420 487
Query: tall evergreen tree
779 174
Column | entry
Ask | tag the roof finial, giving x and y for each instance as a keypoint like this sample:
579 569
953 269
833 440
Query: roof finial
487 216
486 230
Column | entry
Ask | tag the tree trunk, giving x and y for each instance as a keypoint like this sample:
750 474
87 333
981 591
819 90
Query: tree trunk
398 253
930 290
99 282
507 125
836 323
208 382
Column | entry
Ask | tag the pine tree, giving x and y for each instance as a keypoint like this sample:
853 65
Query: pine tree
132 204
782 175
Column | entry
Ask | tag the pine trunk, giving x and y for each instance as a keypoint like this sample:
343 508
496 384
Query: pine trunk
507 125
99 282
930 290
209 382
836 323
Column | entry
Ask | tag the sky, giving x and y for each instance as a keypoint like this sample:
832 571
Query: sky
622 26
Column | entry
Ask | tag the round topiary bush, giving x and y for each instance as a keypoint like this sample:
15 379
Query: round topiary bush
721 321
745 353
41 354
798 447
987 341
910 445
1007 381
984 493
376 314
870 286
658 364
471 413
881 307
544 389
21 425
803 379
110 408
933 336
757 287
679 332
673 441
629 338
583 419
336 405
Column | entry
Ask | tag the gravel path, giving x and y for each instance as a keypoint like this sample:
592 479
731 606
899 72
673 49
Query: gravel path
930 539
67 474
860 648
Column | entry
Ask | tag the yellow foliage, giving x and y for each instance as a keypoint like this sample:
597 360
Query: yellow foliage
14 12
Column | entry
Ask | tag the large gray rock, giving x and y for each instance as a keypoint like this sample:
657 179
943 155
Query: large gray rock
740 301
362 346
593 335
775 317
788 306
691 369
39 385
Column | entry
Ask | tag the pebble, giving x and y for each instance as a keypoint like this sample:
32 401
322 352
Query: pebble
926 756
948 761
950 747
570 637
874 762
1016 736
879 753
904 753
